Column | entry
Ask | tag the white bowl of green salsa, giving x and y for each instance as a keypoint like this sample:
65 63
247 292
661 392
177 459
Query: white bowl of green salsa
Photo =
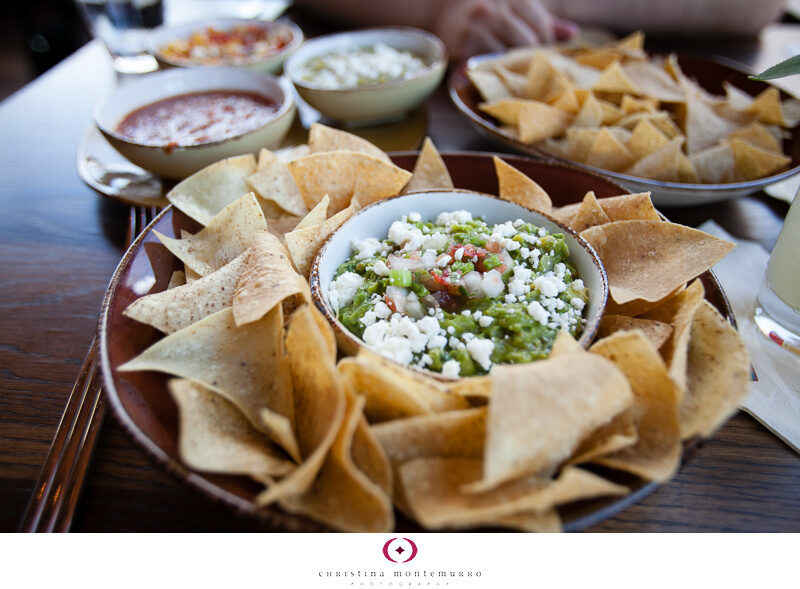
454 282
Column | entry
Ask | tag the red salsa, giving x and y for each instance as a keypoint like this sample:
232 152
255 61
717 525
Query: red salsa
200 117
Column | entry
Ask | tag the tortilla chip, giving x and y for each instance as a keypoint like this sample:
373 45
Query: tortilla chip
173 309
544 523
488 84
718 374
540 411
344 175
315 216
715 164
646 139
616 79
392 391
303 244
567 101
631 104
650 259
342 496
703 126
265 158
767 107
600 58
611 114
516 187
451 434
204 194
678 310
505 110
433 490
323 138
656 454
755 162
214 436
267 279
608 153
290 154
476 389
429 170
737 99
660 119
657 332
515 82
246 365
282 225
274 182
176 279
758 135
539 121
659 165
653 81
565 344
628 207
591 113
319 402
224 238
190 274
617 434
589 213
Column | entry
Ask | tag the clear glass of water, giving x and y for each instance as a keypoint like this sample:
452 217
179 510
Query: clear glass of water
123 26
778 306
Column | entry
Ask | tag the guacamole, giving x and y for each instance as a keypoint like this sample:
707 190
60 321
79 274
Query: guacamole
457 295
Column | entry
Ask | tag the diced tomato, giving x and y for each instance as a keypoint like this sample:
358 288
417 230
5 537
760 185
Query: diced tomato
470 251
493 246
390 303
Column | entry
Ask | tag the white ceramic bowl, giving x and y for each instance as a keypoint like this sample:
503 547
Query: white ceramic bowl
374 221
180 162
271 64
376 102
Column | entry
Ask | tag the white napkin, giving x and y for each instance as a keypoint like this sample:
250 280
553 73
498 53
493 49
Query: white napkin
786 189
775 399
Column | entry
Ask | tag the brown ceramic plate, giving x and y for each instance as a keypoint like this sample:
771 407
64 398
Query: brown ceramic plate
709 73
144 407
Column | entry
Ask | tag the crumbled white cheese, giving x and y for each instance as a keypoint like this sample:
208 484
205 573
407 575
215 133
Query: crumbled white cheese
538 312
342 290
481 350
414 217
454 218
485 321
380 268
458 254
492 283
577 303
451 369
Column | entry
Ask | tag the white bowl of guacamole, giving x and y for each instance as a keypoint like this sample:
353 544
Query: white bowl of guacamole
454 282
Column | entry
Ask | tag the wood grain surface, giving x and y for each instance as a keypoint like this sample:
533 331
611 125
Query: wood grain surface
60 242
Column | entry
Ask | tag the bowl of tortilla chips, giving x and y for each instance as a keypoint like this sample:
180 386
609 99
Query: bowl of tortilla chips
216 360
691 130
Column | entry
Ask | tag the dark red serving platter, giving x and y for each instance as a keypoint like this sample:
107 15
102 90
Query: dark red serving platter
142 404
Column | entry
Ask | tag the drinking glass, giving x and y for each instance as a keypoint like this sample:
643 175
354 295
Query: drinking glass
778 305
123 25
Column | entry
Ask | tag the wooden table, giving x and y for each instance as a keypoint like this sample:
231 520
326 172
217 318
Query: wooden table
60 242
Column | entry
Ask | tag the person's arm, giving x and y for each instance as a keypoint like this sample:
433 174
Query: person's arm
467 27
672 17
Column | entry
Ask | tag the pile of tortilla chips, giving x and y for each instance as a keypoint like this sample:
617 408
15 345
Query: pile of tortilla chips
615 108
263 391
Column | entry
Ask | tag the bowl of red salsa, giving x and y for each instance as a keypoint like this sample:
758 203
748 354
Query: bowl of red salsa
176 122
247 43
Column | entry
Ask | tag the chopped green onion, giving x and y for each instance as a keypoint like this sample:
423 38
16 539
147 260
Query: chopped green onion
492 261
400 277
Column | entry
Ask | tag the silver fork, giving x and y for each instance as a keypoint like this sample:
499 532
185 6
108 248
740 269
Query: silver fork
55 497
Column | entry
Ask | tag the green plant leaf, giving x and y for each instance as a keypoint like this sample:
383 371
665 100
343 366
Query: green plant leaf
785 68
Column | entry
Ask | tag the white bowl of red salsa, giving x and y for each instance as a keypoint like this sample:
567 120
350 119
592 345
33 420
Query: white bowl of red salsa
251 44
177 122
